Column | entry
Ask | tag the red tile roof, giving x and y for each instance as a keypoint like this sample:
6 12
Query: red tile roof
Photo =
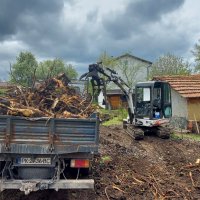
186 86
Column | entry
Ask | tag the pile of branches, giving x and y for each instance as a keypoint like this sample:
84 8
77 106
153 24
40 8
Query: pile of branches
54 98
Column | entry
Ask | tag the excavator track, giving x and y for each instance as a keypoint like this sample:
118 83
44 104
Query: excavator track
163 132
138 134
134 132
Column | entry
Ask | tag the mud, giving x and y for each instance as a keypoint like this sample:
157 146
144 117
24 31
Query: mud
127 169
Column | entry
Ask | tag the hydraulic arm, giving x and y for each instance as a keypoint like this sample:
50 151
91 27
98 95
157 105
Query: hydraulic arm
101 76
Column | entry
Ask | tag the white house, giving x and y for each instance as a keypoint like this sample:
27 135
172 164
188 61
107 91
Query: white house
140 67
138 71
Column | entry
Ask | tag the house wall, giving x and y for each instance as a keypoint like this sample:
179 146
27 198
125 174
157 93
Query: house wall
179 105
194 109
179 111
139 75
142 74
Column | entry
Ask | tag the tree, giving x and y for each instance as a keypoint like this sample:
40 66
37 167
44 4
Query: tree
23 72
196 53
170 64
107 60
51 68
70 71
26 70
129 71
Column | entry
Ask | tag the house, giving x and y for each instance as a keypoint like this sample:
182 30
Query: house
140 67
139 71
185 94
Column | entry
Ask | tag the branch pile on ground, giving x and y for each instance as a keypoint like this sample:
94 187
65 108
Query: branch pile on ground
54 98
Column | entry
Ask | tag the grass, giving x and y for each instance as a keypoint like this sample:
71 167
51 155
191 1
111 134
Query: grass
116 116
182 136
113 121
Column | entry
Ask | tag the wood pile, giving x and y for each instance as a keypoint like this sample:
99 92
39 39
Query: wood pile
54 98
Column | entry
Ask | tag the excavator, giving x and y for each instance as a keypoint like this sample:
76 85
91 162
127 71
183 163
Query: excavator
149 104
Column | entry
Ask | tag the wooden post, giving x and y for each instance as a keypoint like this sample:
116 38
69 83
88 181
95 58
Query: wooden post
197 126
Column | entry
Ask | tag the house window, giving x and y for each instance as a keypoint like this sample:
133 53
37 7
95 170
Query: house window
126 62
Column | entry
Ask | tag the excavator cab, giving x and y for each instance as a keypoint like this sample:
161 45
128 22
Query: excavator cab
152 100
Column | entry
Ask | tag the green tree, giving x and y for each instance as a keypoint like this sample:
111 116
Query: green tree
70 71
26 70
170 64
196 53
107 60
23 72
51 68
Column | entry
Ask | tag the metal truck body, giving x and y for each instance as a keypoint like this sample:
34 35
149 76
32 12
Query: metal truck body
43 153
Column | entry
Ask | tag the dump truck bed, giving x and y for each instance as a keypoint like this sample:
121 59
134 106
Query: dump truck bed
19 135
35 154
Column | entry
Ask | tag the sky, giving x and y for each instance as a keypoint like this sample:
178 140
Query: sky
78 31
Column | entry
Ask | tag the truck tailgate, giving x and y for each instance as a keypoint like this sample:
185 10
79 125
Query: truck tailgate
46 136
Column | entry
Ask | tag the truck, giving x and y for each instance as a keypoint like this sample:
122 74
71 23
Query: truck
47 153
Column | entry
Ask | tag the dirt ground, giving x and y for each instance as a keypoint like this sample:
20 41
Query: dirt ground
127 169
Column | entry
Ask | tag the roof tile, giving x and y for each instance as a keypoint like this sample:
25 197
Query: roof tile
187 86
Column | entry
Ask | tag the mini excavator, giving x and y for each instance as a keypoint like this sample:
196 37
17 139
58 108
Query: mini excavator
149 105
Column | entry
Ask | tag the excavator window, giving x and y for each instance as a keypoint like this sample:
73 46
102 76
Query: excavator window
161 100
167 101
143 97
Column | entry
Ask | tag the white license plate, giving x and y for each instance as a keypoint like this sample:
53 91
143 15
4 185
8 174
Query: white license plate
31 161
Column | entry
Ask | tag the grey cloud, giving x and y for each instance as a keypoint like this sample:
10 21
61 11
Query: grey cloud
13 12
4 70
92 16
137 15
150 44
151 10
39 25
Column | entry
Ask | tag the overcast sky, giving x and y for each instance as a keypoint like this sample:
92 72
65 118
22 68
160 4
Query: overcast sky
78 31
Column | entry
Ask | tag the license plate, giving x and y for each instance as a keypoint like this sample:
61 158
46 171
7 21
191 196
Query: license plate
35 161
